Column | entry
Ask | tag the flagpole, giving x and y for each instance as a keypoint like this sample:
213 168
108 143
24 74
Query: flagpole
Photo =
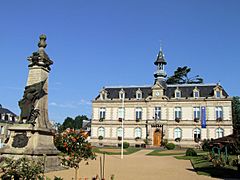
123 114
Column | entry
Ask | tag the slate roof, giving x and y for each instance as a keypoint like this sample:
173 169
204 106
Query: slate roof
6 111
206 90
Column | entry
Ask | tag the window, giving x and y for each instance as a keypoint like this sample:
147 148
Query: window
218 94
119 132
6 117
219 132
102 113
178 112
138 113
0 116
157 113
177 133
101 131
219 113
121 94
196 112
121 113
196 94
139 95
197 134
177 94
138 133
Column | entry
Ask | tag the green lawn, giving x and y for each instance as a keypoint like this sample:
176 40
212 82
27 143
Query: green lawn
115 150
203 167
164 152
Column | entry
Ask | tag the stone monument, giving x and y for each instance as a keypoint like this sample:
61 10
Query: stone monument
33 136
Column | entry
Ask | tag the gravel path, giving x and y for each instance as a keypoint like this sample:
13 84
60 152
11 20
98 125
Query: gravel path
136 166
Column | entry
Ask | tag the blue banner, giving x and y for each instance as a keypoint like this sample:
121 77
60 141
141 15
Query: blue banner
203 117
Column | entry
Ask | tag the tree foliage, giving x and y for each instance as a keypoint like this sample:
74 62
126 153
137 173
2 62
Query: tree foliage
180 76
236 113
71 123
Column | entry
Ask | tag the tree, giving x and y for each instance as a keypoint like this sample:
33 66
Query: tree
75 148
181 77
71 123
236 119
236 113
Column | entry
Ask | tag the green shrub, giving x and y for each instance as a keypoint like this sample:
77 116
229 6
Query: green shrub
23 168
125 145
100 137
206 145
191 152
164 142
170 146
57 178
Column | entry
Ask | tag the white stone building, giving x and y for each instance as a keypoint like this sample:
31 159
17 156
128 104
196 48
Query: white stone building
185 112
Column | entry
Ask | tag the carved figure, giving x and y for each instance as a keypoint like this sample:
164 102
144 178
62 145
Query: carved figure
27 105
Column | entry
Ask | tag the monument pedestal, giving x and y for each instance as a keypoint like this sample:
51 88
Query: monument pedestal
35 143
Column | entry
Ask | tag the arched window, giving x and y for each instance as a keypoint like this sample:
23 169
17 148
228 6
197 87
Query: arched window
101 131
219 132
119 132
177 133
138 132
197 134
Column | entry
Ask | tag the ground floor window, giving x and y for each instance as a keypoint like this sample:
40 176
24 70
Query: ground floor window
219 132
177 133
119 132
101 131
138 133
197 134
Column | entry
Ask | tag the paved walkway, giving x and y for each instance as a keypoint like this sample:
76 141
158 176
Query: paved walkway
136 166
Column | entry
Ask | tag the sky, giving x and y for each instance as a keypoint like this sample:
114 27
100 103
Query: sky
96 43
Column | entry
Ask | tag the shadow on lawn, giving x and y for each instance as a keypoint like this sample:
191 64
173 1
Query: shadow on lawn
217 172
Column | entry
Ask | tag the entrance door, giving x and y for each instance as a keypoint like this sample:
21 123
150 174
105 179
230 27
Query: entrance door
157 138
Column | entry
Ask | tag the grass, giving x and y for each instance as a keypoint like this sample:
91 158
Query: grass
105 150
164 152
203 166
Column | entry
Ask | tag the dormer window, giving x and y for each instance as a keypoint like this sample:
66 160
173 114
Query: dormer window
177 93
138 94
218 91
196 93
103 94
121 94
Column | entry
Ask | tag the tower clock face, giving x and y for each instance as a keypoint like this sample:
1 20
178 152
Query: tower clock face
157 93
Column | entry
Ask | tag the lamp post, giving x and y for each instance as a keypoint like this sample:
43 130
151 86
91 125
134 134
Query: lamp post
123 114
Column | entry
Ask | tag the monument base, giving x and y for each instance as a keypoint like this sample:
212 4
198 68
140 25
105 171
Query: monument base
34 143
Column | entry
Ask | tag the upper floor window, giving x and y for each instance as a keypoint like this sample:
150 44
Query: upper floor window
196 113
218 94
121 113
138 113
139 94
121 94
177 133
102 113
197 134
219 113
196 93
101 131
138 132
177 94
219 132
157 113
178 113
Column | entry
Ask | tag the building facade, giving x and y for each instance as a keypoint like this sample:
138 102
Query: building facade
7 118
184 114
